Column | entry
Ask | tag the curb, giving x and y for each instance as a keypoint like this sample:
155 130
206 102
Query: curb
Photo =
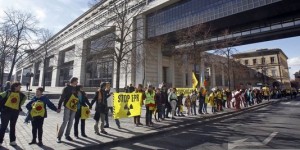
178 126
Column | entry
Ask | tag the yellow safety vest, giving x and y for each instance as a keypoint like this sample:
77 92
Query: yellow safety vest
38 109
13 101
72 103
150 100
85 112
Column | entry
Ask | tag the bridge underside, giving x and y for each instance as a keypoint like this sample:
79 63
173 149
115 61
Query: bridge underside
271 22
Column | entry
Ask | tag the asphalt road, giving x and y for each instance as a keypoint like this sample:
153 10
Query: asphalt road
273 127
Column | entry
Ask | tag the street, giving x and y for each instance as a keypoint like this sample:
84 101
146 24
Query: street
273 127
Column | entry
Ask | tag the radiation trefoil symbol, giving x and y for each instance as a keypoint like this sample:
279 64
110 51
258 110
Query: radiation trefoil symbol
126 108
73 104
13 100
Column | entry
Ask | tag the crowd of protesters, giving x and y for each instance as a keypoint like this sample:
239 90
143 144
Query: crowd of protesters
166 102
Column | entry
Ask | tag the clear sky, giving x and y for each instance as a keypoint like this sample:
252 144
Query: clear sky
56 14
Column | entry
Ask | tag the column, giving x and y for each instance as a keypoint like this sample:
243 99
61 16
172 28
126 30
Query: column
172 71
32 78
213 75
41 73
202 70
223 75
139 74
21 75
79 61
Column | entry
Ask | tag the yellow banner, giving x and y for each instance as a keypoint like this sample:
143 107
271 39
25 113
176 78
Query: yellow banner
85 112
185 91
127 105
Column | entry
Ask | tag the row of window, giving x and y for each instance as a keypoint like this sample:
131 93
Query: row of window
192 12
263 61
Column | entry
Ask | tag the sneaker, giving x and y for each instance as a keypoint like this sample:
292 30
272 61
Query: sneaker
58 140
106 126
13 143
69 138
173 118
104 132
97 133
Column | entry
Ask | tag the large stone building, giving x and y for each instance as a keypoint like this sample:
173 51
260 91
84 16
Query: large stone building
297 76
268 62
74 51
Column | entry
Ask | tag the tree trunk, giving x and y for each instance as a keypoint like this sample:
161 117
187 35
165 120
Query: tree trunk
118 75
13 64
2 74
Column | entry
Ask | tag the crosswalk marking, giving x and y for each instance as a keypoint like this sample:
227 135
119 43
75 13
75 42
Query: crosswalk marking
146 146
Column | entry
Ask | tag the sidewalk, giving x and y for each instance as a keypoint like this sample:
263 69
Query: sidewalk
128 130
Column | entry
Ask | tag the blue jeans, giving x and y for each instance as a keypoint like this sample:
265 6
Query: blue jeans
193 107
204 108
106 117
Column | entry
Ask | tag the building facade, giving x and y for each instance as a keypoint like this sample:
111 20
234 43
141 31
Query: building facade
81 48
269 62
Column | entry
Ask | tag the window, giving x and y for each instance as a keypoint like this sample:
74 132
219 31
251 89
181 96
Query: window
263 60
272 60
273 73
254 61
68 56
246 62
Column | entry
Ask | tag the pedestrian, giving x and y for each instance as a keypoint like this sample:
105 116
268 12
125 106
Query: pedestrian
180 105
10 106
167 106
82 106
158 102
131 88
150 105
194 101
38 112
206 101
187 104
69 99
109 92
101 108
212 101
27 86
7 86
172 99
201 97
137 119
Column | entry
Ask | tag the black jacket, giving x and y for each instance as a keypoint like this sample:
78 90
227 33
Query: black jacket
66 94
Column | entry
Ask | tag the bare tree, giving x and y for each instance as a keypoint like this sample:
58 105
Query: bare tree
226 48
192 45
120 42
44 40
6 42
22 26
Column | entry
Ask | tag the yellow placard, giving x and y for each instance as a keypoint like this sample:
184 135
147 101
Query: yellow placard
127 105
72 103
85 112
13 101
38 109
185 91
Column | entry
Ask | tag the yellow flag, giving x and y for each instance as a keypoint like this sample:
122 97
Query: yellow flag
72 103
38 109
13 101
194 80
